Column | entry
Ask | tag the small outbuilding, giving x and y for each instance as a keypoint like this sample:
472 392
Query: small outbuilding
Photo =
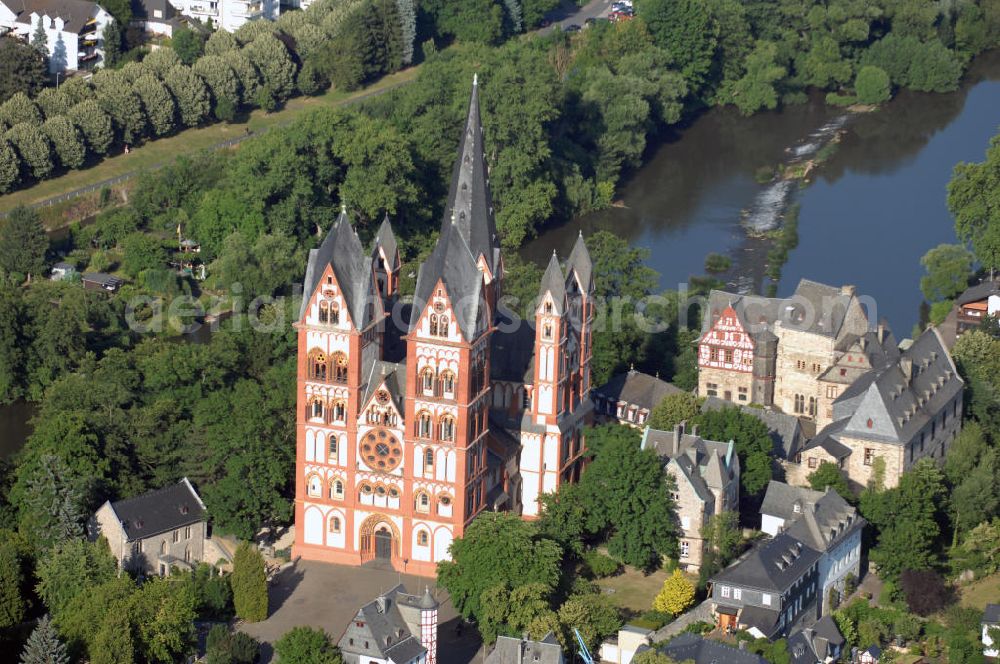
102 282
62 271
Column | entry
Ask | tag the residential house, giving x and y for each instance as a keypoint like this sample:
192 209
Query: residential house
394 628
870 656
157 17
858 355
901 413
769 589
991 621
630 640
154 532
630 397
62 271
969 310
74 29
690 647
771 351
819 644
825 522
229 15
706 476
512 650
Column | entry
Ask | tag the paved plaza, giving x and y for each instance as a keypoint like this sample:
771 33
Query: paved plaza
327 596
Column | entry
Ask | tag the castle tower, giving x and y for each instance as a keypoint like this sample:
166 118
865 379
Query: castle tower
385 259
429 625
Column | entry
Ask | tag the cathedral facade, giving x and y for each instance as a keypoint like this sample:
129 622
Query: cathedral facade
415 416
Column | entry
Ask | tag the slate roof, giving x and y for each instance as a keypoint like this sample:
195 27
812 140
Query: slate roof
393 374
825 519
815 644
75 13
705 464
381 625
780 498
159 511
786 430
879 348
352 267
553 281
992 613
580 263
385 239
510 650
145 9
103 279
771 565
979 292
766 620
814 307
469 202
637 388
826 440
512 354
902 398
693 647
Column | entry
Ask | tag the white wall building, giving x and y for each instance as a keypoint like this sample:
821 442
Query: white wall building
227 15
74 29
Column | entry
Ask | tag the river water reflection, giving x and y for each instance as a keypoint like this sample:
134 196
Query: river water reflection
873 210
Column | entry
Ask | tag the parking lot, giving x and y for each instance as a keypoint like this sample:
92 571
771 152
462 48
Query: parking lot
327 596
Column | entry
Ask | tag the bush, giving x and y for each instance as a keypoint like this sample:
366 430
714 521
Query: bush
599 565
676 596
225 647
872 85
653 619
717 263
925 591
305 645
249 583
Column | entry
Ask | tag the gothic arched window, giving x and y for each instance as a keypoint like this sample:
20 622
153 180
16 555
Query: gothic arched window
434 325
447 428
339 411
448 382
317 365
340 367
429 459
424 424
316 408
427 380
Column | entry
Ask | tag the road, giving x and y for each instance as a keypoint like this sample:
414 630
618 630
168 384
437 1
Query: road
569 13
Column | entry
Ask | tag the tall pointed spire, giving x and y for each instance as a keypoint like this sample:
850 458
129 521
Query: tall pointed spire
580 262
470 207
554 282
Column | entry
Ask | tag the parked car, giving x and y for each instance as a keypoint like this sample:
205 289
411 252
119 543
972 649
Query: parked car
572 27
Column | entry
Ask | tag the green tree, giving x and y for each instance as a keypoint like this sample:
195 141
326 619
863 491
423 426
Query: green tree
722 534
44 645
225 647
67 141
121 10
33 147
676 596
686 30
965 452
306 645
71 568
22 69
95 125
116 98
81 620
20 108
142 251
652 657
829 475
507 611
161 61
11 578
949 268
221 80
823 65
112 36
872 85
974 202
674 409
752 439
249 584
276 67
10 167
23 242
976 498
592 615
468 20
497 549
163 612
221 42
187 44
628 497
193 103
159 103
40 40
115 638
380 171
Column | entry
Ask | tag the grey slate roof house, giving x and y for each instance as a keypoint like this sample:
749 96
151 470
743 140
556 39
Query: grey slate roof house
769 588
394 628
510 650
706 475
825 522
818 644
630 397
156 531
691 647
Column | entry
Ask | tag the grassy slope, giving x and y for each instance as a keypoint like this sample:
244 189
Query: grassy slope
160 151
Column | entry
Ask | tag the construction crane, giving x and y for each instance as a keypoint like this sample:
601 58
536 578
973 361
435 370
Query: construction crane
584 652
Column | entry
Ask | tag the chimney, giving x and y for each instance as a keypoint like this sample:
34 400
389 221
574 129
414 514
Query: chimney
906 365
881 332
675 443
848 290
694 430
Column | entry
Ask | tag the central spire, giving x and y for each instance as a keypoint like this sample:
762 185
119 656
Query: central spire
470 207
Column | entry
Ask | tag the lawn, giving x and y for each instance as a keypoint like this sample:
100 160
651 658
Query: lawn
157 152
982 592
633 589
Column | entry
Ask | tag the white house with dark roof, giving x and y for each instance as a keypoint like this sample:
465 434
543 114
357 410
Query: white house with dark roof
769 589
630 397
991 621
512 650
156 531
74 29
394 628
706 477
825 522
